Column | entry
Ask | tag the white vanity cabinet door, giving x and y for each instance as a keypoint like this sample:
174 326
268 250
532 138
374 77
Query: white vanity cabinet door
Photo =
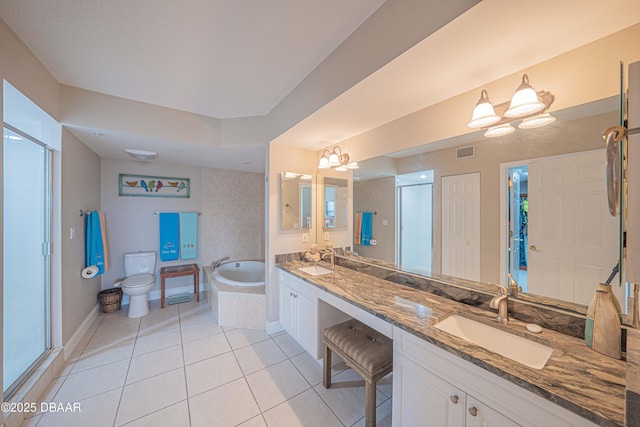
287 308
422 399
480 415
299 311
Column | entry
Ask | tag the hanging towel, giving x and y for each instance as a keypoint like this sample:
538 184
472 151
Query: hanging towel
169 236
367 221
357 229
94 250
188 235
103 233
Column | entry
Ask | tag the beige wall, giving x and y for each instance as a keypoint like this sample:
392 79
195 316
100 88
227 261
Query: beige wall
131 223
80 190
232 215
281 158
583 75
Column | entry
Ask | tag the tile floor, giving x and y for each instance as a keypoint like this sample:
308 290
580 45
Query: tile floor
177 367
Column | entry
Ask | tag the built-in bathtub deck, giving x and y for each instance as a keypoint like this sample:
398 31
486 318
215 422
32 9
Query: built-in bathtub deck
236 306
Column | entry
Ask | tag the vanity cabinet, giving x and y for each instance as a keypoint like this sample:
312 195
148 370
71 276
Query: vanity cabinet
432 387
299 311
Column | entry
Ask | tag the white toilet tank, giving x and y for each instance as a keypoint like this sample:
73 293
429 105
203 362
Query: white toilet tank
139 263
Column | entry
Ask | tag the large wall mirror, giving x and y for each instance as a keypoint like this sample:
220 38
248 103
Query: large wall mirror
335 202
532 204
296 191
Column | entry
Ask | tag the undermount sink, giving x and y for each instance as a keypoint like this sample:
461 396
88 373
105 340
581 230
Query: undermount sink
315 270
522 350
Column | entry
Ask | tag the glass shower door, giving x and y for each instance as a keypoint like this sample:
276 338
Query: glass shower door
26 251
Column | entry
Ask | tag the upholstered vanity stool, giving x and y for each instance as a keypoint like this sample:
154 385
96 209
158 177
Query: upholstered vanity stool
366 351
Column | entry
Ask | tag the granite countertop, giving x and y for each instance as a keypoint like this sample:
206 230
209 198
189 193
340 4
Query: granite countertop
575 377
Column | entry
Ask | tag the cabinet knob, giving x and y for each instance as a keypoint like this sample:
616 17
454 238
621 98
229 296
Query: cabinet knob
473 411
454 399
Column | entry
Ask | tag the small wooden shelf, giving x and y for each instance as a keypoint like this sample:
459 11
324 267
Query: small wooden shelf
178 271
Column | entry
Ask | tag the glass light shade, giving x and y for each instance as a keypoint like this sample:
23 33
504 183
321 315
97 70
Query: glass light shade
524 101
341 168
501 130
353 165
483 113
324 163
537 121
334 160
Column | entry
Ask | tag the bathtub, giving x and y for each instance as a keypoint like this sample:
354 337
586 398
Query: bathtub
235 292
240 273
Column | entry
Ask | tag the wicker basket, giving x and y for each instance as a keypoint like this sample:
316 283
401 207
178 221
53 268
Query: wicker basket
110 299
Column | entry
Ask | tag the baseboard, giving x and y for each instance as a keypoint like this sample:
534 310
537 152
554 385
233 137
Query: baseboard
155 293
70 345
273 327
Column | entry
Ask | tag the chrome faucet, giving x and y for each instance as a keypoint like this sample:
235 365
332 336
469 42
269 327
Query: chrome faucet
501 302
514 288
332 256
216 264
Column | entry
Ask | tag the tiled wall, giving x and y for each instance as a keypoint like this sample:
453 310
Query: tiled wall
233 215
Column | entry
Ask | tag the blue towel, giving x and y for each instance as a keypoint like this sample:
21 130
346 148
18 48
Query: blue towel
188 235
169 236
367 221
94 249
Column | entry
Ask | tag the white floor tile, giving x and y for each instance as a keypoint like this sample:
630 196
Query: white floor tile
150 395
383 415
154 363
92 358
172 416
275 384
243 337
198 329
288 345
304 410
227 405
157 340
96 411
211 373
91 382
254 422
346 396
312 370
204 348
259 356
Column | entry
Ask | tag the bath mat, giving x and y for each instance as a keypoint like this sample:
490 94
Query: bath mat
177 299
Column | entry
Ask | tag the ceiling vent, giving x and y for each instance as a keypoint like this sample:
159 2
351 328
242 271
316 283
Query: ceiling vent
463 152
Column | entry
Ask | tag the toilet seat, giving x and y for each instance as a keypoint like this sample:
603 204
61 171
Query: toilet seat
138 280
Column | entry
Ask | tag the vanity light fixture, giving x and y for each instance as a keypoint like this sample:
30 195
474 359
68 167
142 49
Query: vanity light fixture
526 105
336 159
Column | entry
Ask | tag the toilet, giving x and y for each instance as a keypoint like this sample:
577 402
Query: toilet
139 269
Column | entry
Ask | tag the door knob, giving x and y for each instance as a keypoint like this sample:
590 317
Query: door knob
473 411
533 248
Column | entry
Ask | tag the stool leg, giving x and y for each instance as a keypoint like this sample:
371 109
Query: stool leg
370 404
326 367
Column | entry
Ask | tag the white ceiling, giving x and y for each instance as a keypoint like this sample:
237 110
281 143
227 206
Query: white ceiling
229 59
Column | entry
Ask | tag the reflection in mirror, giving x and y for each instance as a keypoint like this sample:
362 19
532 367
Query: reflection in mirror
296 201
336 194
538 191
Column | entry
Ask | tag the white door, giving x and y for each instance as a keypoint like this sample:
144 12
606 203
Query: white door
461 226
481 415
573 240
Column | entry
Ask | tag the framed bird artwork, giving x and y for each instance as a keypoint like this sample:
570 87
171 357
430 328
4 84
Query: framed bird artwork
153 186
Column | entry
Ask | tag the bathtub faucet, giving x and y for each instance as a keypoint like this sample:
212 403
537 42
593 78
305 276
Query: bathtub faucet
216 264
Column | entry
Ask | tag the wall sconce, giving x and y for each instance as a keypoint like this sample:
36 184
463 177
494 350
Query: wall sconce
336 159
526 105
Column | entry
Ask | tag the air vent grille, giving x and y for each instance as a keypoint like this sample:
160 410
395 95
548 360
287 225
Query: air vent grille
463 152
